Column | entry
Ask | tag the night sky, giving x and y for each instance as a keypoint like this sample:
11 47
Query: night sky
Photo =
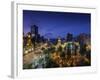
54 24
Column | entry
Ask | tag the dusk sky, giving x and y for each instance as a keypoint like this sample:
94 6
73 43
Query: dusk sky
54 24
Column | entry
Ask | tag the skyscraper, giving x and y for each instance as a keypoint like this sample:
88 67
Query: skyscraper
34 30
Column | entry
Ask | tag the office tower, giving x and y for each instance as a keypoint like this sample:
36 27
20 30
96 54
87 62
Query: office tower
34 30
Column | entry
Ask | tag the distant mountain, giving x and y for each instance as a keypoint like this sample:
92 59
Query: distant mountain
48 35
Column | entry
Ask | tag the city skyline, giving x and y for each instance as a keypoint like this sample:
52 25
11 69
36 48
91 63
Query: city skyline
54 24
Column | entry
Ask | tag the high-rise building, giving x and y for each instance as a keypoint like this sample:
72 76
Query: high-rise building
34 30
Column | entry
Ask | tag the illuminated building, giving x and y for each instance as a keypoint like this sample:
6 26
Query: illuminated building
34 30
29 46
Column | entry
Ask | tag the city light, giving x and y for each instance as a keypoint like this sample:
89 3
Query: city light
56 39
62 53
